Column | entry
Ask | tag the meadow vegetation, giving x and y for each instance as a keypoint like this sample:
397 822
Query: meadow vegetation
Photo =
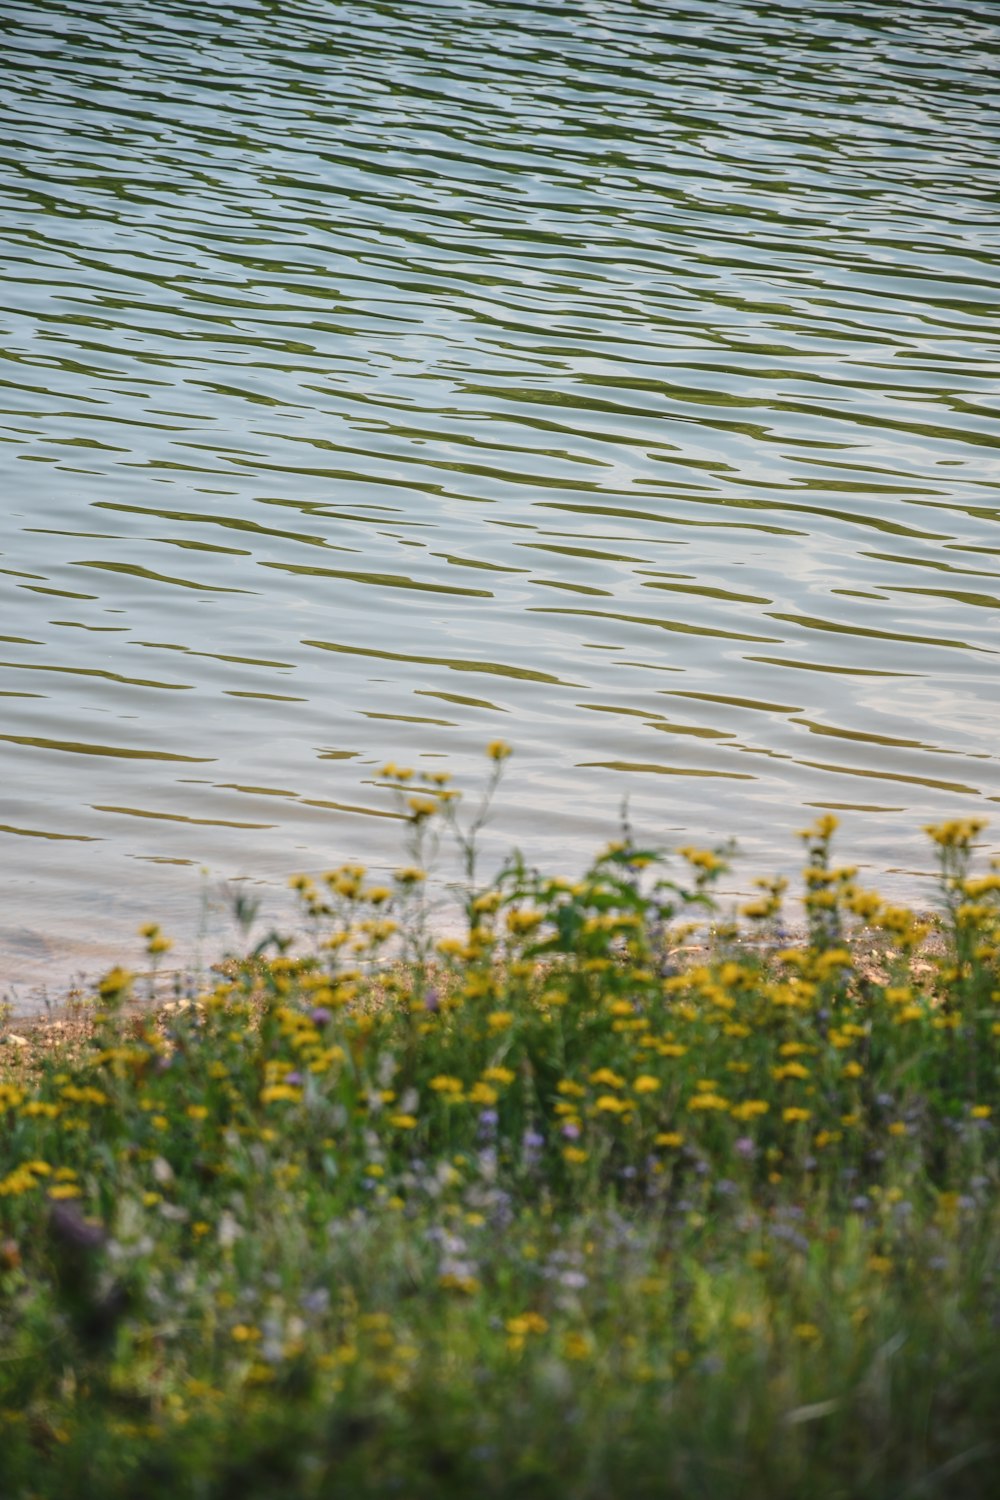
553 1206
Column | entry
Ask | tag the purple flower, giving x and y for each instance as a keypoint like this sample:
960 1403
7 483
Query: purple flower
571 1131
320 1015
532 1143
745 1147
295 1079
431 1000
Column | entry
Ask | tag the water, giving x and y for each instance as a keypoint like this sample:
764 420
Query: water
618 377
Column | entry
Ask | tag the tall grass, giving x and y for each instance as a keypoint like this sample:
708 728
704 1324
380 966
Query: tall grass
535 1210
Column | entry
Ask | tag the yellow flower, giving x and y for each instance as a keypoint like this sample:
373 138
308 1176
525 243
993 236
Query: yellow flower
574 1155
646 1084
403 1122
482 1093
708 1102
610 1104
498 750
749 1109
524 921
793 1115
506 1075
808 1333
956 834
668 1138
244 1333
980 1112
197 1112
529 1322
602 1075
499 1020
445 1083
880 1264
273 1093
65 1190
453 1283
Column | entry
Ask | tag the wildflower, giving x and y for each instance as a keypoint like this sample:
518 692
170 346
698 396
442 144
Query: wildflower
749 1109
403 1122
575 1155
498 750
794 1115
645 1084
957 833
244 1333
980 1112
499 1020
807 1333
708 1101
523 922
197 1112
670 1139
445 1083
602 1075
529 1322
880 1264
272 1094
452 948
115 985
455 1282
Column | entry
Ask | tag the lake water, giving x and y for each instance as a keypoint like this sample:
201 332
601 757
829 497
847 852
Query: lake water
619 377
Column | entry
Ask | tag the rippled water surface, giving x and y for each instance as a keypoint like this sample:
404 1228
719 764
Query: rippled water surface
618 376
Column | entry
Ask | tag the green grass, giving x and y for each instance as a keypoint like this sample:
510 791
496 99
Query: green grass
527 1212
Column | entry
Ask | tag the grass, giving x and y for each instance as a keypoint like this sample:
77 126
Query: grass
528 1212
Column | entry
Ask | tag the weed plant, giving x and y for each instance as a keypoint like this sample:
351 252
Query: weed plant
538 1209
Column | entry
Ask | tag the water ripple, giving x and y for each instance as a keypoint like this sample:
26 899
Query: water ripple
354 352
